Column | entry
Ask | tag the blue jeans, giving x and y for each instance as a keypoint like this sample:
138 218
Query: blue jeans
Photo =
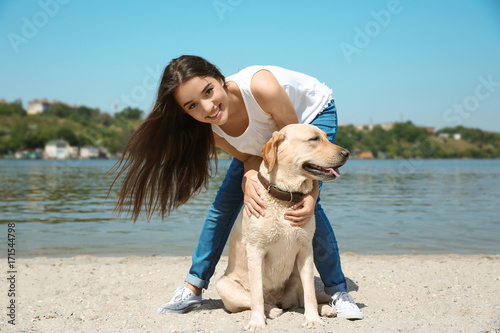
228 203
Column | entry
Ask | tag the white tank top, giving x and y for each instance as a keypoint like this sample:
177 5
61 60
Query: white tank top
309 97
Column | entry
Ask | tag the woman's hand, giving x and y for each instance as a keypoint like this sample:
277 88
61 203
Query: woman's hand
254 205
301 213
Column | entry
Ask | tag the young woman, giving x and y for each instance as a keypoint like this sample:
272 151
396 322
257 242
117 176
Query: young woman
167 160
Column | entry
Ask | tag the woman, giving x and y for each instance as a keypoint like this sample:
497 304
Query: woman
167 160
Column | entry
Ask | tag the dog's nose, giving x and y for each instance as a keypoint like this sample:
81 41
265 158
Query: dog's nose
345 153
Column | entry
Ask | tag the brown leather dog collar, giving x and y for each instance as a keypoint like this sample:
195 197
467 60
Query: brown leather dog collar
292 197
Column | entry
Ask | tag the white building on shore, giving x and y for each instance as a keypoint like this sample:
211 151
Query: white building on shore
60 150
38 106
89 152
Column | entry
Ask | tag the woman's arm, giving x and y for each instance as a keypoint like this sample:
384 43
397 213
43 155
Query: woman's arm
254 205
274 100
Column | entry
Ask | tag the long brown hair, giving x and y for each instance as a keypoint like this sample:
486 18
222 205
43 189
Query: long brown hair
167 159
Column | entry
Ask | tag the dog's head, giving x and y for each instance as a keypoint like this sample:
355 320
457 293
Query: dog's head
304 149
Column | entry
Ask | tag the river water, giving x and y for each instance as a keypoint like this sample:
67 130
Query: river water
60 208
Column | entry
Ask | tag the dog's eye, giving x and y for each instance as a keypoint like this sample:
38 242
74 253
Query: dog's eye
316 138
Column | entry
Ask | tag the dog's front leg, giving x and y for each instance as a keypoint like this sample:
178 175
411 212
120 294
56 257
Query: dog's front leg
255 270
305 265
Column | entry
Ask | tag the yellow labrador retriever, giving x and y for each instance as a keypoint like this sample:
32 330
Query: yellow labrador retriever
270 265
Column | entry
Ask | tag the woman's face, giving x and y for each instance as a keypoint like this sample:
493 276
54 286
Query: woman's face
204 99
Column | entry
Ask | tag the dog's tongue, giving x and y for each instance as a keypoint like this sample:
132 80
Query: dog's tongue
335 171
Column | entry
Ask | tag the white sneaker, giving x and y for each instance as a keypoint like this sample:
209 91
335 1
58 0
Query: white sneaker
184 300
345 306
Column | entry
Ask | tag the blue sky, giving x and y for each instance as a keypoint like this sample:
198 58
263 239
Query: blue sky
436 63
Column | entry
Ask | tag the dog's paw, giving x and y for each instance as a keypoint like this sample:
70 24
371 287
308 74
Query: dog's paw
312 322
275 313
326 310
255 327
257 323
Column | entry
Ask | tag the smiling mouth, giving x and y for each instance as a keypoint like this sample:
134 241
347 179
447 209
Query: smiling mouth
217 113
322 172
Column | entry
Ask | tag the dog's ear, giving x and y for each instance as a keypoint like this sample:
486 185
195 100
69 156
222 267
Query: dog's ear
270 150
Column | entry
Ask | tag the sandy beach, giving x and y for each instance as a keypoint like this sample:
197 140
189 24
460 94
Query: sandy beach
410 293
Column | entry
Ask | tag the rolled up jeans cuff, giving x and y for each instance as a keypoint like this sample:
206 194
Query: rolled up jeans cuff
339 287
199 283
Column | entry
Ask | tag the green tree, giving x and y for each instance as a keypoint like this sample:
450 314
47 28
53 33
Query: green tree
345 137
12 109
409 132
104 119
84 115
129 113
68 135
59 110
